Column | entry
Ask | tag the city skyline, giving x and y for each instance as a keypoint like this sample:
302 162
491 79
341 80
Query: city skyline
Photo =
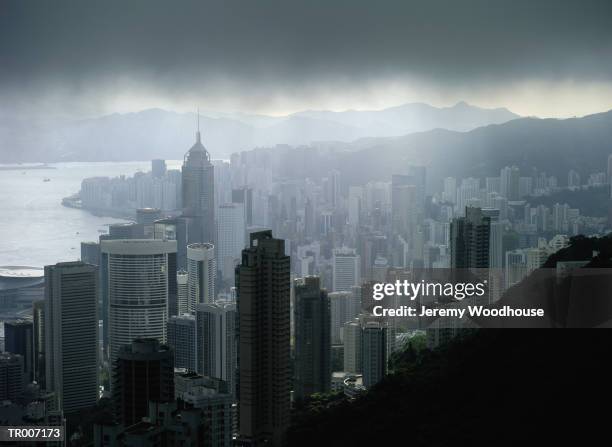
324 263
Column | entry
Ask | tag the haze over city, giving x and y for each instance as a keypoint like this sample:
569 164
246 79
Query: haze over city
295 223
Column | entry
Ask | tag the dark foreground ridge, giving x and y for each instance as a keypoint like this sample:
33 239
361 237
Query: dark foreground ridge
490 387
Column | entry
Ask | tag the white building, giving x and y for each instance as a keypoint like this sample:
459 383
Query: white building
202 271
137 282
346 269
182 281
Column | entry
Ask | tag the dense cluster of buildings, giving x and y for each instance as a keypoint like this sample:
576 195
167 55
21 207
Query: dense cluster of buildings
238 292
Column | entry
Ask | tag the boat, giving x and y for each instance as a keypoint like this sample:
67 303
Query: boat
47 180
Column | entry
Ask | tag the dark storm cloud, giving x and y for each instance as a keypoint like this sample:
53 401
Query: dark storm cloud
178 45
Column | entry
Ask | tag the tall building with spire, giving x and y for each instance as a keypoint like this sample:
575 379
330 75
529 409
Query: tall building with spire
198 193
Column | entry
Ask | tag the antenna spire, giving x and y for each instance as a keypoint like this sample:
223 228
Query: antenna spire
198 138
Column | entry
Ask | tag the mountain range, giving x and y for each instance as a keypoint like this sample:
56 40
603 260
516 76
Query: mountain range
551 145
157 133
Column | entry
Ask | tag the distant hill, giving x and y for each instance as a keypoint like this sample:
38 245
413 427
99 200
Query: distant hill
551 145
157 133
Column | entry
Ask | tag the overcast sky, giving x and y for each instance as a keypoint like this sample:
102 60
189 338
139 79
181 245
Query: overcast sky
545 58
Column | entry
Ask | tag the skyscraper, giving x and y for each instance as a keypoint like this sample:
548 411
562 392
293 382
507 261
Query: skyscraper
38 316
198 193
244 196
352 347
341 311
174 229
231 231
182 339
138 282
346 269
373 352
312 338
182 292
71 334
263 289
11 376
143 372
470 240
216 341
201 270
19 339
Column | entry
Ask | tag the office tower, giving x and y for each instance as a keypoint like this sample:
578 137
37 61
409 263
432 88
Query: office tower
509 182
182 340
467 191
470 240
158 168
198 184
125 231
138 286
341 305
11 377
312 338
263 293
352 347
496 235
244 196
19 339
449 194
90 253
202 271
38 317
333 188
143 372
346 269
71 334
147 216
609 173
373 352
355 205
212 396
231 231
174 229
182 292
216 341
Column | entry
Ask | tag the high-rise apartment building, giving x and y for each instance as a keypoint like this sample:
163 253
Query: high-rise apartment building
373 352
352 347
312 338
71 334
216 341
263 294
